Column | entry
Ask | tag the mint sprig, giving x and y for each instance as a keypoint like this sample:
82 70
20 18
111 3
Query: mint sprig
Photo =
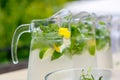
88 76
81 33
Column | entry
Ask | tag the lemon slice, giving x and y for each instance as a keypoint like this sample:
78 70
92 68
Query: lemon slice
66 43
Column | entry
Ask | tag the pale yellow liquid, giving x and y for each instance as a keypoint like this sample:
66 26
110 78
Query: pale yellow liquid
38 68
116 60
104 59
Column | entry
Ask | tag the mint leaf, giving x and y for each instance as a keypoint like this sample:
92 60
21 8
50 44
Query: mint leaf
92 77
41 54
56 55
102 23
100 78
91 50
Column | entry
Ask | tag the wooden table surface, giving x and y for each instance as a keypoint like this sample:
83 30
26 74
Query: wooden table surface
22 75
15 75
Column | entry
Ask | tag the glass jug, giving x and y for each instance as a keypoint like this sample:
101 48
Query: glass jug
59 42
44 50
103 41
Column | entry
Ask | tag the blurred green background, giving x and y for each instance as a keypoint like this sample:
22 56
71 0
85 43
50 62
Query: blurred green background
16 12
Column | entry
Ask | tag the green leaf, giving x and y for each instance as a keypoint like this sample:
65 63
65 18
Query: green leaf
101 43
92 77
101 23
41 54
56 55
100 78
91 50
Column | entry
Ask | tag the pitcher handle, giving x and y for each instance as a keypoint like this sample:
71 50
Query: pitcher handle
18 32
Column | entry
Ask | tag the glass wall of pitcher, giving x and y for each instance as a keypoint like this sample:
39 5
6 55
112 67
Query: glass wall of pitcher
115 41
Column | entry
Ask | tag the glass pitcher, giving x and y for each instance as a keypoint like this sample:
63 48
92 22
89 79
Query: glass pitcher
59 42
103 41
45 54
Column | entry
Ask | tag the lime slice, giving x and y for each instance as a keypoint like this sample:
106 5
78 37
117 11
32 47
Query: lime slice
48 53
